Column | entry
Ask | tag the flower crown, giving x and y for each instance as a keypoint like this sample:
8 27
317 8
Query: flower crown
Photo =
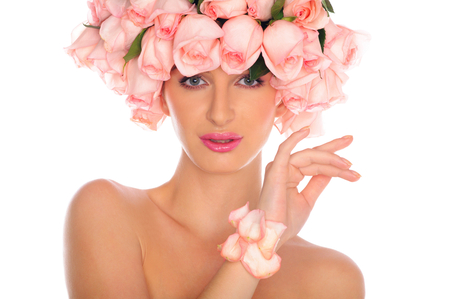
133 45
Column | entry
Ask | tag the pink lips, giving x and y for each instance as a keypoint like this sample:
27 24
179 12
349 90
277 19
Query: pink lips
221 142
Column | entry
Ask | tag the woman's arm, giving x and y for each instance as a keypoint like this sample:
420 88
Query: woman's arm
103 257
231 281
282 202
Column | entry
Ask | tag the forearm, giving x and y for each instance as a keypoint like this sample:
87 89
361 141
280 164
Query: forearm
231 281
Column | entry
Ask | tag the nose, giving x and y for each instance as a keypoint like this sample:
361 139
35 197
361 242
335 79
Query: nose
220 112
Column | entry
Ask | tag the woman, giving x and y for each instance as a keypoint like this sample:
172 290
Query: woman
123 242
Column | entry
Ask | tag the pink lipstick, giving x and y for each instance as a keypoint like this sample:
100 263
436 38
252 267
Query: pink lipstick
221 142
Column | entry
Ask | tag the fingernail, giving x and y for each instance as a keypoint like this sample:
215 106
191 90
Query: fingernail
347 162
347 137
304 129
355 173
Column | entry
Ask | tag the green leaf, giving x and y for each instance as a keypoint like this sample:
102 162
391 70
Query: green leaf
277 10
135 48
258 69
198 6
327 6
90 26
322 37
289 19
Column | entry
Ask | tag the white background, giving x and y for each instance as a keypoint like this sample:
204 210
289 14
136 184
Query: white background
61 127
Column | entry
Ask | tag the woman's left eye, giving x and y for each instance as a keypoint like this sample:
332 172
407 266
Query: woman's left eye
249 83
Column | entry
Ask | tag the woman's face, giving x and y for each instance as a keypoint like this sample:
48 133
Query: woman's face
222 120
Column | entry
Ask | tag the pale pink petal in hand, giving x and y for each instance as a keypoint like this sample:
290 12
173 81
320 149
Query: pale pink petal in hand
255 263
253 226
231 249
274 230
237 215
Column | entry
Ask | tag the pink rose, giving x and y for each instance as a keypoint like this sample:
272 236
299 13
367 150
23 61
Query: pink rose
224 9
183 7
137 82
166 25
146 110
140 11
109 67
118 33
97 12
314 60
260 9
241 44
283 49
118 8
88 50
343 46
295 93
310 13
308 95
156 58
196 45
84 41
290 122
312 91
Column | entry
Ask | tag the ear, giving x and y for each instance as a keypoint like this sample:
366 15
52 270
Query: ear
164 107
281 109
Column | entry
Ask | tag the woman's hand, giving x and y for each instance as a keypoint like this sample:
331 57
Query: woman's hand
280 198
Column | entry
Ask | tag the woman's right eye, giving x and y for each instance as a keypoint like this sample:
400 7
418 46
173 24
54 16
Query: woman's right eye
192 82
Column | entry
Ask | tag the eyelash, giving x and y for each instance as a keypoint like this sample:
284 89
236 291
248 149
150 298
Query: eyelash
184 79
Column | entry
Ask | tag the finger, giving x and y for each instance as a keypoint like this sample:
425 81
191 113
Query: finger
314 188
285 148
313 156
336 144
330 171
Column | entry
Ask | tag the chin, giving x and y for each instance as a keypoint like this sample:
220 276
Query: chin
222 163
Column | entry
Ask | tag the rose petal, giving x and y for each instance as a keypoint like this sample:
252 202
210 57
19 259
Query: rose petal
252 226
231 249
257 265
236 215
273 232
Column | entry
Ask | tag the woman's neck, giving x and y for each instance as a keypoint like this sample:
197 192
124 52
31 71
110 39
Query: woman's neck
201 201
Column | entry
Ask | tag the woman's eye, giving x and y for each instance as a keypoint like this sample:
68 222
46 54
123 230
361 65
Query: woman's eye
247 82
193 81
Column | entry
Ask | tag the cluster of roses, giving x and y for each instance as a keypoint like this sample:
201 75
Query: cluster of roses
133 45
254 242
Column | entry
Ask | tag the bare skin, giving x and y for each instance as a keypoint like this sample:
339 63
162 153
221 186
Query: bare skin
161 243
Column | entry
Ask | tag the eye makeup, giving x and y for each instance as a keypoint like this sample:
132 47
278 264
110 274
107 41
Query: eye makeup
194 82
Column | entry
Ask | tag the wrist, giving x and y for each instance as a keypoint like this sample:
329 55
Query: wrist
254 243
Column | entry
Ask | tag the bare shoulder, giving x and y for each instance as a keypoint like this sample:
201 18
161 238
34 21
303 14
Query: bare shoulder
101 193
103 256
311 271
